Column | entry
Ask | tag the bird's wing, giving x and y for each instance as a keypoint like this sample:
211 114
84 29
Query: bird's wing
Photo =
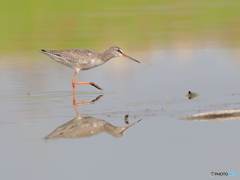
74 55
76 128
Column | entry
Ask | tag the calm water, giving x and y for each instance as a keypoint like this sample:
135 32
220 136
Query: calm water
36 94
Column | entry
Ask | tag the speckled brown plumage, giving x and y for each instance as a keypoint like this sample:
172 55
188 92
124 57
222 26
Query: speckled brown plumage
82 59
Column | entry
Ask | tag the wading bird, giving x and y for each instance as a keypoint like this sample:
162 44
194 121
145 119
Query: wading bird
83 59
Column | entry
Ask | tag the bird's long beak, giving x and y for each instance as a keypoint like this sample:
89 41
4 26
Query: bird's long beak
132 124
124 55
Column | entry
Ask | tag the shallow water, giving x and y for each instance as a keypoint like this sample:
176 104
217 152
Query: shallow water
37 99
36 96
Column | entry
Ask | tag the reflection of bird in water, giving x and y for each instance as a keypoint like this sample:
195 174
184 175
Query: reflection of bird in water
81 127
83 59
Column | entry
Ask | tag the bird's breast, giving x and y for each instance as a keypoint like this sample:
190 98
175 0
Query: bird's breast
94 62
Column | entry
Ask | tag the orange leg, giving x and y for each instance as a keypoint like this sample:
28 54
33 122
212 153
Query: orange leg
74 90
74 82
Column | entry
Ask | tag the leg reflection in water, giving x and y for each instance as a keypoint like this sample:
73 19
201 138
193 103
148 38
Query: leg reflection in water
77 104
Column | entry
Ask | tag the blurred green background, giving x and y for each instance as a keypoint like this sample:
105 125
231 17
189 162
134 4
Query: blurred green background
29 25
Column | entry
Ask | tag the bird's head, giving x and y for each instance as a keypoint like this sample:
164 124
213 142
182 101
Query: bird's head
117 52
119 131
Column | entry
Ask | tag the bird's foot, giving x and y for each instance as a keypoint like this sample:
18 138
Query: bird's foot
96 86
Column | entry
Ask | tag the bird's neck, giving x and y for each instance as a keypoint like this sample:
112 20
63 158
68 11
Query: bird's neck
106 55
113 130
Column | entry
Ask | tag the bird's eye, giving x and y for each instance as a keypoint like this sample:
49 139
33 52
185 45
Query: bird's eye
119 50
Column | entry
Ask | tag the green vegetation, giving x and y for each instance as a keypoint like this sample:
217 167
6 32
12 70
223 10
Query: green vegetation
31 25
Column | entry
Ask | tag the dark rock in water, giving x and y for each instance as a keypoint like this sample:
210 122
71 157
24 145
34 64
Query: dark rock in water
126 119
191 95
